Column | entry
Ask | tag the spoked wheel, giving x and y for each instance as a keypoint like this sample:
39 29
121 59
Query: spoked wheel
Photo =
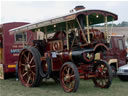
69 77
28 67
103 74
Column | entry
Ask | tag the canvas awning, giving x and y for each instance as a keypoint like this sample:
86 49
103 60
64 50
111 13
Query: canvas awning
92 14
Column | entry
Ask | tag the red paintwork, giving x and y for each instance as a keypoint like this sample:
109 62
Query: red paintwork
9 43
111 53
115 52
98 37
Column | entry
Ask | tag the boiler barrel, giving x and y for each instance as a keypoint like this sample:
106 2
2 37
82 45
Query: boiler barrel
82 56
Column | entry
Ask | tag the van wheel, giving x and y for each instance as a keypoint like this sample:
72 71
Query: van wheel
123 78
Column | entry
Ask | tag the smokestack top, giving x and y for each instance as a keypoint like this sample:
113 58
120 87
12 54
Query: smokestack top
77 8
80 7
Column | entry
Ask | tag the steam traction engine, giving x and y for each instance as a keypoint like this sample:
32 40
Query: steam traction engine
67 50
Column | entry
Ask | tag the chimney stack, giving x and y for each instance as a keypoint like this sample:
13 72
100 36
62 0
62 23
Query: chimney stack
77 8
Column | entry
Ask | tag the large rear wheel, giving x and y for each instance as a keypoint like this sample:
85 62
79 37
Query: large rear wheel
69 77
28 67
103 74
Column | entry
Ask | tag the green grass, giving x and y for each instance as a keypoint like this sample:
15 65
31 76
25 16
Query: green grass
10 87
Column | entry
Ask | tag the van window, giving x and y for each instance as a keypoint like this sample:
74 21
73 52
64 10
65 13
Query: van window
20 37
120 44
110 45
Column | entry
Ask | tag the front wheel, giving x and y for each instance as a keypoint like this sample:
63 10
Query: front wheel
28 67
103 74
69 77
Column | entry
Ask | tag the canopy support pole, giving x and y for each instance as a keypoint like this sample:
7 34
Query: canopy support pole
45 31
83 35
23 40
87 21
111 32
67 36
106 29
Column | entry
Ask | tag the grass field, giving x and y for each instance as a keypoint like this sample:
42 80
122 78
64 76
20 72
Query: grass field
10 87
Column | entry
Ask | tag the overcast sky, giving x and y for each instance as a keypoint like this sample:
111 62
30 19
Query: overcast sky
32 11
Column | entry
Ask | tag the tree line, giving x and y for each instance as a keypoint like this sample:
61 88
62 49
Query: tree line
122 24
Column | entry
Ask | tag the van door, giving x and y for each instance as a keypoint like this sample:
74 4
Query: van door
1 58
120 50
1 49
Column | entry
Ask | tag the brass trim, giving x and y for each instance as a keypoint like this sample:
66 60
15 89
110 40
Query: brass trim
60 44
97 56
70 55
56 47
83 45
43 58
113 61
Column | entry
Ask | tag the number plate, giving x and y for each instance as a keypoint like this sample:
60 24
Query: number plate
54 55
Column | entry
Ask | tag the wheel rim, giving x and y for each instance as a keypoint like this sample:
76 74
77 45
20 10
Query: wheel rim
27 68
68 78
102 75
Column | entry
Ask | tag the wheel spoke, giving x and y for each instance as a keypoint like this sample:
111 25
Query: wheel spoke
23 65
25 74
29 78
25 56
33 66
68 70
72 76
102 82
106 80
28 56
31 60
33 73
102 66
72 84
